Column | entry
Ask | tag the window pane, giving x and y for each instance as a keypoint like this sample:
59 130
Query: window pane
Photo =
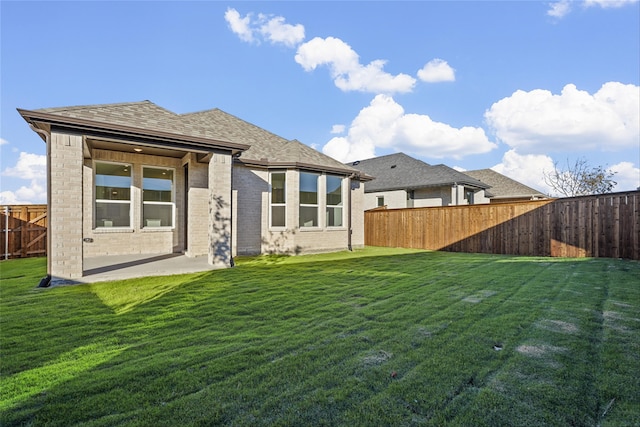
160 215
113 181
113 214
334 217
308 188
308 216
278 216
277 188
157 185
334 191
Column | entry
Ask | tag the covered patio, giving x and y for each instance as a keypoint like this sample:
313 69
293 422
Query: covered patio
122 267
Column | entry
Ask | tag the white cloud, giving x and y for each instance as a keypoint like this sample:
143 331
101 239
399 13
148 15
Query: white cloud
539 121
3 141
32 167
34 193
240 26
29 166
559 9
384 124
627 176
528 169
337 129
9 198
609 4
273 29
277 31
437 70
346 70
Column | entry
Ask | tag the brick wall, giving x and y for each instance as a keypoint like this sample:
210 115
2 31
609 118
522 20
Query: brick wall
198 209
136 239
220 210
251 209
65 206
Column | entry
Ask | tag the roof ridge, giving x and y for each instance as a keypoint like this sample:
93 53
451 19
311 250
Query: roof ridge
87 106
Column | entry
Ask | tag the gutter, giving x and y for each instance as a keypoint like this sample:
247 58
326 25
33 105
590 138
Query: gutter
265 163
129 131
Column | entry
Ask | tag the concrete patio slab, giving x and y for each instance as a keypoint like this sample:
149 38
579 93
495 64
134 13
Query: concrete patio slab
121 267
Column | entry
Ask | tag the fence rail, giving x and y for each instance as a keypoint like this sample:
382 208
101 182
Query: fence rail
24 231
605 225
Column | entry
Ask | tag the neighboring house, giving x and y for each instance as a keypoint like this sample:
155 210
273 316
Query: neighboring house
134 178
505 189
404 182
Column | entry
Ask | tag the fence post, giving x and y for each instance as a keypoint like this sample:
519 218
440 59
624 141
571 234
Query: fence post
6 232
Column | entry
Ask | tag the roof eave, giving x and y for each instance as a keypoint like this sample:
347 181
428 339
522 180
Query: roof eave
267 164
35 117
435 185
519 196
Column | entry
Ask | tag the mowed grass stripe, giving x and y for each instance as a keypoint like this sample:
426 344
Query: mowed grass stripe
314 340
473 346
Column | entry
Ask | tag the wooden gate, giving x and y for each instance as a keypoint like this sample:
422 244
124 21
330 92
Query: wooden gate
24 231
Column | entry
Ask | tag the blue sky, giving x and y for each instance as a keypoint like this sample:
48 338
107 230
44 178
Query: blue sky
513 86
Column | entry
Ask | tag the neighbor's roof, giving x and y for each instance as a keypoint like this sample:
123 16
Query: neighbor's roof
210 129
399 171
503 186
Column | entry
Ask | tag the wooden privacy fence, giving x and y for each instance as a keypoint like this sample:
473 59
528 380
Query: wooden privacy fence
24 231
605 225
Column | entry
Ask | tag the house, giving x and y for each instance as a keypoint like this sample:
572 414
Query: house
503 188
404 182
135 178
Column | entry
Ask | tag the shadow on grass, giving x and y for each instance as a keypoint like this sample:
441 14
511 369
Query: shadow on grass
314 340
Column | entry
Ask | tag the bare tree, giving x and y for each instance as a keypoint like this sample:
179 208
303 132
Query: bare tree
580 179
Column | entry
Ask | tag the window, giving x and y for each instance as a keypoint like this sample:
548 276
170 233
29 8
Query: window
334 201
278 199
308 199
113 195
157 197
468 194
411 195
380 201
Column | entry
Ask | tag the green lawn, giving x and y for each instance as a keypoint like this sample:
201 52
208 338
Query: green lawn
374 337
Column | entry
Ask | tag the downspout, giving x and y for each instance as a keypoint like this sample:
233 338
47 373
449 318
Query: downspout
454 195
232 263
46 281
349 229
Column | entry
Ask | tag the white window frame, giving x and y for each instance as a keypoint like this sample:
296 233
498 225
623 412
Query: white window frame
172 203
308 205
272 205
103 226
332 207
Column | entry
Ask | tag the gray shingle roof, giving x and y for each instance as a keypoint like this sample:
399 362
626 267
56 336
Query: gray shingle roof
503 186
264 144
265 148
399 171
143 115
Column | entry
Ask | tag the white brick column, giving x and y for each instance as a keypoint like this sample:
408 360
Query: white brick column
198 209
65 206
220 210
